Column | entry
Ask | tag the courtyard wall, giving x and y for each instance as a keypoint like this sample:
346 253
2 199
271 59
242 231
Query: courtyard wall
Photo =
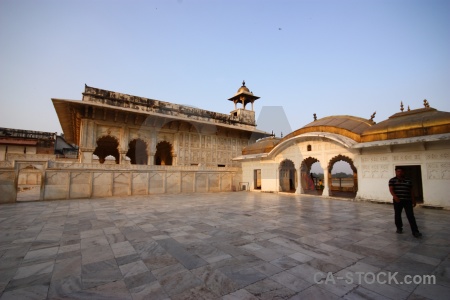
33 179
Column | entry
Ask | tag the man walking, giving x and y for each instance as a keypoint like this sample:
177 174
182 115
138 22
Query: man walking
403 197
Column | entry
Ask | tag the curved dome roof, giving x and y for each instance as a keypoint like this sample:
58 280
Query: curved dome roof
348 126
243 95
262 146
417 122
350 123
243 89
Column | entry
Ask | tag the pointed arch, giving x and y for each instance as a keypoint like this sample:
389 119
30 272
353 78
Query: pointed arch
164 155
309 184
339 158
309 161
344 188
107 145
288 176
137 152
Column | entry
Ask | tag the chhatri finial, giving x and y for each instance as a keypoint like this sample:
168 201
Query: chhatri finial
425 103
401 106
315 117
243 82
409 108
373 116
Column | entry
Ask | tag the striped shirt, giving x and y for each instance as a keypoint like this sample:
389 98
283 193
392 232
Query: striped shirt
402 188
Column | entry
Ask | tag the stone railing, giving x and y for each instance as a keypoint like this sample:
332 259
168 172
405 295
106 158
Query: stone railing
19 156
121 167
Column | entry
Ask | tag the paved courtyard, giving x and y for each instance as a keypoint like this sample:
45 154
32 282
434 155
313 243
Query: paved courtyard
237 245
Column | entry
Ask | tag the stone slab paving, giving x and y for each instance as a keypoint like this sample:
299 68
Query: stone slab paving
237 245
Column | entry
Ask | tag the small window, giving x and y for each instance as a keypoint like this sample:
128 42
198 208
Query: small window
221 166
308 148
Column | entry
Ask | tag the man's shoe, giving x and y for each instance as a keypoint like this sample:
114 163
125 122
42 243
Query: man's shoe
417 234
399 231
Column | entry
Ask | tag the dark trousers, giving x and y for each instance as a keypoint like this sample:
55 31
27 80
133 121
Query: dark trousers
398 208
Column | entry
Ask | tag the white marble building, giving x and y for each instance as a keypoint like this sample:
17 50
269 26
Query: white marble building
417 139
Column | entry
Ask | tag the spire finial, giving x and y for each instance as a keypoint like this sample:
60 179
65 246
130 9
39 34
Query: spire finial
243 82
315 117
373 116
409 108
401 106
425 103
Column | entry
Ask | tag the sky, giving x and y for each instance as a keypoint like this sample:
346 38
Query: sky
325 57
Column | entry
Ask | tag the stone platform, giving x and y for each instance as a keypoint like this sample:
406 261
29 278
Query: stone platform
236 245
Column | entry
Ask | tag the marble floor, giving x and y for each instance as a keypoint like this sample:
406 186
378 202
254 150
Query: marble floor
238 245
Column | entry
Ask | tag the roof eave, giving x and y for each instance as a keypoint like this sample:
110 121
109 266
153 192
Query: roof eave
62 107
403 141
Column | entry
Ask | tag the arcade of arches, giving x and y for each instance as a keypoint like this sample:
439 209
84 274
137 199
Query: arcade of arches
137 151
341 187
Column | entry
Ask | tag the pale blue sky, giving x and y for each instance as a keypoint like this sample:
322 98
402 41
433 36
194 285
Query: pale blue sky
323 57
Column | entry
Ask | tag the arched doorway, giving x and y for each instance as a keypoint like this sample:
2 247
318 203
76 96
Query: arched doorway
137 152
163 155
107 145
343 177
311 176
29 184
288 176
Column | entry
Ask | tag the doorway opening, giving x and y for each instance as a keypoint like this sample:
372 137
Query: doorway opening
106 146
311 176
343 177
137 152
415 174
257 179
163 155
288 176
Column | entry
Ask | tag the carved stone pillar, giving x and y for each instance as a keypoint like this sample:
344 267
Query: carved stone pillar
151 159
175 145
299 190
86 155
302 172
122 155
91 138
326 182
124 140
279 179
